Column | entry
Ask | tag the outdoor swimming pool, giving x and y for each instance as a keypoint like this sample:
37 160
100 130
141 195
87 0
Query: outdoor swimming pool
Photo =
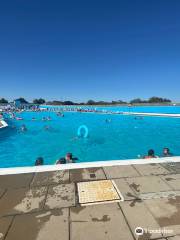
124 137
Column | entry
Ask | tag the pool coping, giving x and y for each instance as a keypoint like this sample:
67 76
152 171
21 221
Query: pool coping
48 168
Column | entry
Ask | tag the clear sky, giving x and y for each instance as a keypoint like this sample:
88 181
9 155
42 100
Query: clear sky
80 50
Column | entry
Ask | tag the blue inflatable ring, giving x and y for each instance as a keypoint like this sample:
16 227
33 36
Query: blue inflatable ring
85 132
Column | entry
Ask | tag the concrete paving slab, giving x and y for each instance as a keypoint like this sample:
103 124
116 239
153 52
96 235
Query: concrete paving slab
151 169
147 184
125 190
166 213
120 172
22 200
4 226
158 195
15 180
138 215
173 180
50 225
79 175
98 222
172 167
174 238
47 178
60 196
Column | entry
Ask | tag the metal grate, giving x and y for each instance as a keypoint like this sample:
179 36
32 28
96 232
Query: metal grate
96 192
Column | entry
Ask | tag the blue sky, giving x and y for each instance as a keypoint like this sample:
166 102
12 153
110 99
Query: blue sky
80 50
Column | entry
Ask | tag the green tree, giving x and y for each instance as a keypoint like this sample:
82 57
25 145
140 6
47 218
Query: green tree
158 100
91 102
136 100
39 101
3 101
118 102
68 103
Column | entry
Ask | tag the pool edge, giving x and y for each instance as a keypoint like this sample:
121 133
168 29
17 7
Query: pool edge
47 168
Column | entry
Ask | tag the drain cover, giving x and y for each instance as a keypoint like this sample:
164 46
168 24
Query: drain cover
96 192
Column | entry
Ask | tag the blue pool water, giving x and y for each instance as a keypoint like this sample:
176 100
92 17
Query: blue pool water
123 138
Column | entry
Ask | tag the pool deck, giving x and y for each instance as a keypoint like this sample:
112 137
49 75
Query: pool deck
142 114
107 112
44 205
171 115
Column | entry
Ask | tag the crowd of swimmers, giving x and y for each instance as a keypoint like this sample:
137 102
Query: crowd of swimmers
69 158
24 129
63 160
48 118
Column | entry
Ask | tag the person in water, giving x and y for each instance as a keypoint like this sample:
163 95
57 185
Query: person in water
68 159
39 161
23 128
151 154
61 161
46 127
108 120
166 152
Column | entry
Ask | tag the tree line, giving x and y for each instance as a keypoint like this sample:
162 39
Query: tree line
40 101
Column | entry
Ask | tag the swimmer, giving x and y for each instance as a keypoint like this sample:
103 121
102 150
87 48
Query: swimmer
59 114
33 118
46 127
48 118
39 161
74 138
13 116
19 118
43 119
61 161
108 120
166 152
68 158
23 128
151 154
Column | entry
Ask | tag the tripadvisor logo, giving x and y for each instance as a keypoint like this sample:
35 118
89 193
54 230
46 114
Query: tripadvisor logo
139 231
